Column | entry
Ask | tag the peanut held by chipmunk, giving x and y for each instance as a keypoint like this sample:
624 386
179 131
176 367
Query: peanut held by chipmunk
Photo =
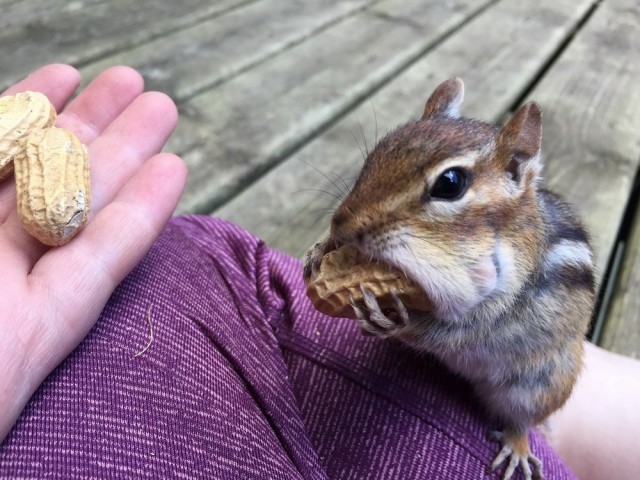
456 205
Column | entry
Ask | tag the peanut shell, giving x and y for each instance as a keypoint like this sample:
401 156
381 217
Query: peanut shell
343 271
19 114
52 185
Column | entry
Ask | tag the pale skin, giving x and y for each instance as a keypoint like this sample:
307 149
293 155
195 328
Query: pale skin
596 432
51 297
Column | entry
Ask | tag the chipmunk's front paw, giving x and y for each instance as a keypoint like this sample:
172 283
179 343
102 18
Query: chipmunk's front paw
515 447
374 320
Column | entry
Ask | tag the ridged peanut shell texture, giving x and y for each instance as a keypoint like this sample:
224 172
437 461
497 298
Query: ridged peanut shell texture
343 271
52 185
19 114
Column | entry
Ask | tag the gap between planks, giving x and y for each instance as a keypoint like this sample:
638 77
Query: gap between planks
37 36
617 325
268 210
208 54
328 114
189 21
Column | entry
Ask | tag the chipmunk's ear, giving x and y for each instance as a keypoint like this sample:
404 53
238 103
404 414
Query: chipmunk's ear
445 99
520 141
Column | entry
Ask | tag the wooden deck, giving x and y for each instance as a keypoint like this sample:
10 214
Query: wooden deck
278 98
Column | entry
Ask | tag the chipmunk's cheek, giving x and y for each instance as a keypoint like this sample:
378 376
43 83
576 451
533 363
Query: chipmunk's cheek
485 276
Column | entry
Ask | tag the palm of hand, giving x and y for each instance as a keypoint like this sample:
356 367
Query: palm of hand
50 298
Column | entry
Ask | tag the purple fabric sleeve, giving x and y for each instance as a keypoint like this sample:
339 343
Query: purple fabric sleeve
244 379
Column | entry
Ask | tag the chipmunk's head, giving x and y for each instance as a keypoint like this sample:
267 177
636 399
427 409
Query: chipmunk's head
451 201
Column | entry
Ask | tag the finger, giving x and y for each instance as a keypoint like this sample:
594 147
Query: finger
139 132
104 99
87 115
57 82
79 277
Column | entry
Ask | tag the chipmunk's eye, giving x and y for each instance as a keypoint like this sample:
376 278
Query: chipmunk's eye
450 185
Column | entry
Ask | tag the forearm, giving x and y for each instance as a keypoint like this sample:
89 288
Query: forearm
596 432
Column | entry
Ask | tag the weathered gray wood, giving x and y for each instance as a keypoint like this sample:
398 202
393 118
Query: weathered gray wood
76 33
4 3
591 104
497 54
231 134
197 58
615 142
621 331
18 13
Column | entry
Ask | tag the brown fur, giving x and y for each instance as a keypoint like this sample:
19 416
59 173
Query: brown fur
506 264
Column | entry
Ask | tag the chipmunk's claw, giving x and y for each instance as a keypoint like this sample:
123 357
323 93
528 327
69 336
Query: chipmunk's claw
515 447
374 320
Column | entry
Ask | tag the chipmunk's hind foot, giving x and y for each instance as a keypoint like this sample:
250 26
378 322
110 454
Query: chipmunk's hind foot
515 448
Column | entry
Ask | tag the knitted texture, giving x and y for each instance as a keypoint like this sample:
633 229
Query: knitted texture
243 378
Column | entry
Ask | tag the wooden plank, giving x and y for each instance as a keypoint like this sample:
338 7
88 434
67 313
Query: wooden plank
591 104
79 32
197 58
621 331
233 133
592 100
497 55
19 13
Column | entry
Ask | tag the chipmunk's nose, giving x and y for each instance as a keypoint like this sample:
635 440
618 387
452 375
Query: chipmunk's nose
339 226
347 228
339 219
342 226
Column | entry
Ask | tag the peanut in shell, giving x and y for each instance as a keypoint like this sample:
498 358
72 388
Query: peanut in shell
19 115
52 185
343 272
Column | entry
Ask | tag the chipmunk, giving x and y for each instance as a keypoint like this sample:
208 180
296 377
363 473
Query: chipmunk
456 204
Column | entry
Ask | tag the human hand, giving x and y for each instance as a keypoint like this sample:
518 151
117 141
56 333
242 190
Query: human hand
51 297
